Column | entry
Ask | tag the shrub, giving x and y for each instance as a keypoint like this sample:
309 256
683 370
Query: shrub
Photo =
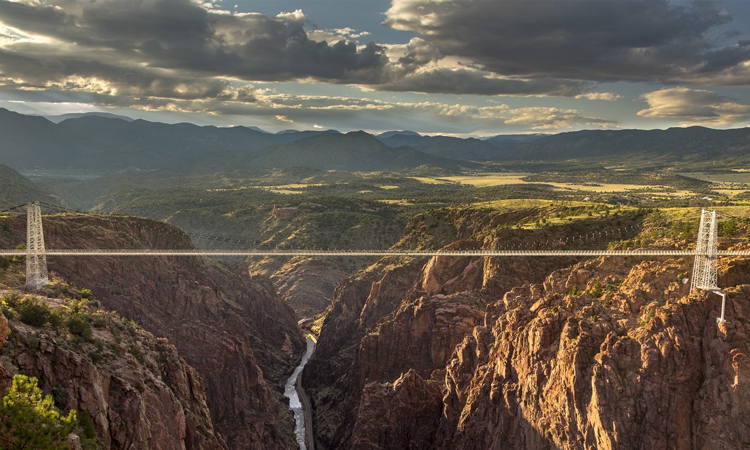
135 351
78 326
12 299
99 322
56 318
4 263
88 434
32 342
95 356
77 306
86 293
596 290
728 228
33 312
28 421
9 313
575 291
60 397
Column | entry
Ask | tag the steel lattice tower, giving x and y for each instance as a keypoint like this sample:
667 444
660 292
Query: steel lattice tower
705 269
36 256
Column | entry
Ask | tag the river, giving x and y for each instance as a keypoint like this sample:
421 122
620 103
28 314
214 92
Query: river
293 384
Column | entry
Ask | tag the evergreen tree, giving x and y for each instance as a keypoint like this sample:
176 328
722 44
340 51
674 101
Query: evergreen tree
596 290
29 422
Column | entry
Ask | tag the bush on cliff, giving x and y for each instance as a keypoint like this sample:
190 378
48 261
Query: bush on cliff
88 434
33 312
29 421
11 299
79 326
7 308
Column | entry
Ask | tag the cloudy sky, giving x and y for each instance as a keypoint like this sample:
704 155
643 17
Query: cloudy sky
462 67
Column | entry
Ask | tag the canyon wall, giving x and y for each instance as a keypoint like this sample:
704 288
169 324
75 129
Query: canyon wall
232 328
483 353
136 390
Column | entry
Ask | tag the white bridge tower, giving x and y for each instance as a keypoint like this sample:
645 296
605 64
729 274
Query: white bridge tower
706 268
36 256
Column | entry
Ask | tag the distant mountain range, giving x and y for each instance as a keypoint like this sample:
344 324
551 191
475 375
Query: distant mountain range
15 189
457 148
693 144
104 143
355 151
61 117
100 143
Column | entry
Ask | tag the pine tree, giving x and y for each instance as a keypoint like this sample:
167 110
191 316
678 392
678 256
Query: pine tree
596 290
29 422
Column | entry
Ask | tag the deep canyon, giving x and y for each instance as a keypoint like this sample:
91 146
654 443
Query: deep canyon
432 353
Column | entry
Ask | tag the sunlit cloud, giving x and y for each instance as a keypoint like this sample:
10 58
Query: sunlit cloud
695 107
606 96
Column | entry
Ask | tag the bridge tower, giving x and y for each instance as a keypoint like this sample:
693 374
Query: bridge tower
36 256
705 268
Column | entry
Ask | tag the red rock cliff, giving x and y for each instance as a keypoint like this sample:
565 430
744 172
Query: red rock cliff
480 354
232 329
154 400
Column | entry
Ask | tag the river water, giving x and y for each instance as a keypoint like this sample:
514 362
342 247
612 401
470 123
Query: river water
290 392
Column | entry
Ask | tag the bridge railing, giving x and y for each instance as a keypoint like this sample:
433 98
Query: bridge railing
705 267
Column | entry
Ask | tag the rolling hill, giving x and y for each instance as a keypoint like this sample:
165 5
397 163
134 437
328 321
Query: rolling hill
15 189
93 142
105 144
442 146
494 148
674 145
355 151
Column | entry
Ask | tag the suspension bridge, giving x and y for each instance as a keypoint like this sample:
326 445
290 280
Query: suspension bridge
705 267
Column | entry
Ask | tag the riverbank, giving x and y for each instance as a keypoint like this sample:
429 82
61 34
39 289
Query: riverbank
299 402
307 408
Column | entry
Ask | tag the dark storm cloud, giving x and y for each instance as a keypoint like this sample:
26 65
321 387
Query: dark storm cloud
69 74
462 81
179 34
597 40
191 42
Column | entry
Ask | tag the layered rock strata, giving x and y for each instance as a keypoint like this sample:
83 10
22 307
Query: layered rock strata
135 388
232 328
520 354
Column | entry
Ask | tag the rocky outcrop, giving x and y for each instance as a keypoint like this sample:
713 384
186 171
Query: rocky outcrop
642 366
134 387
529 354
420 337
331 377
230 327
403 314
306 284
605 373
401 414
